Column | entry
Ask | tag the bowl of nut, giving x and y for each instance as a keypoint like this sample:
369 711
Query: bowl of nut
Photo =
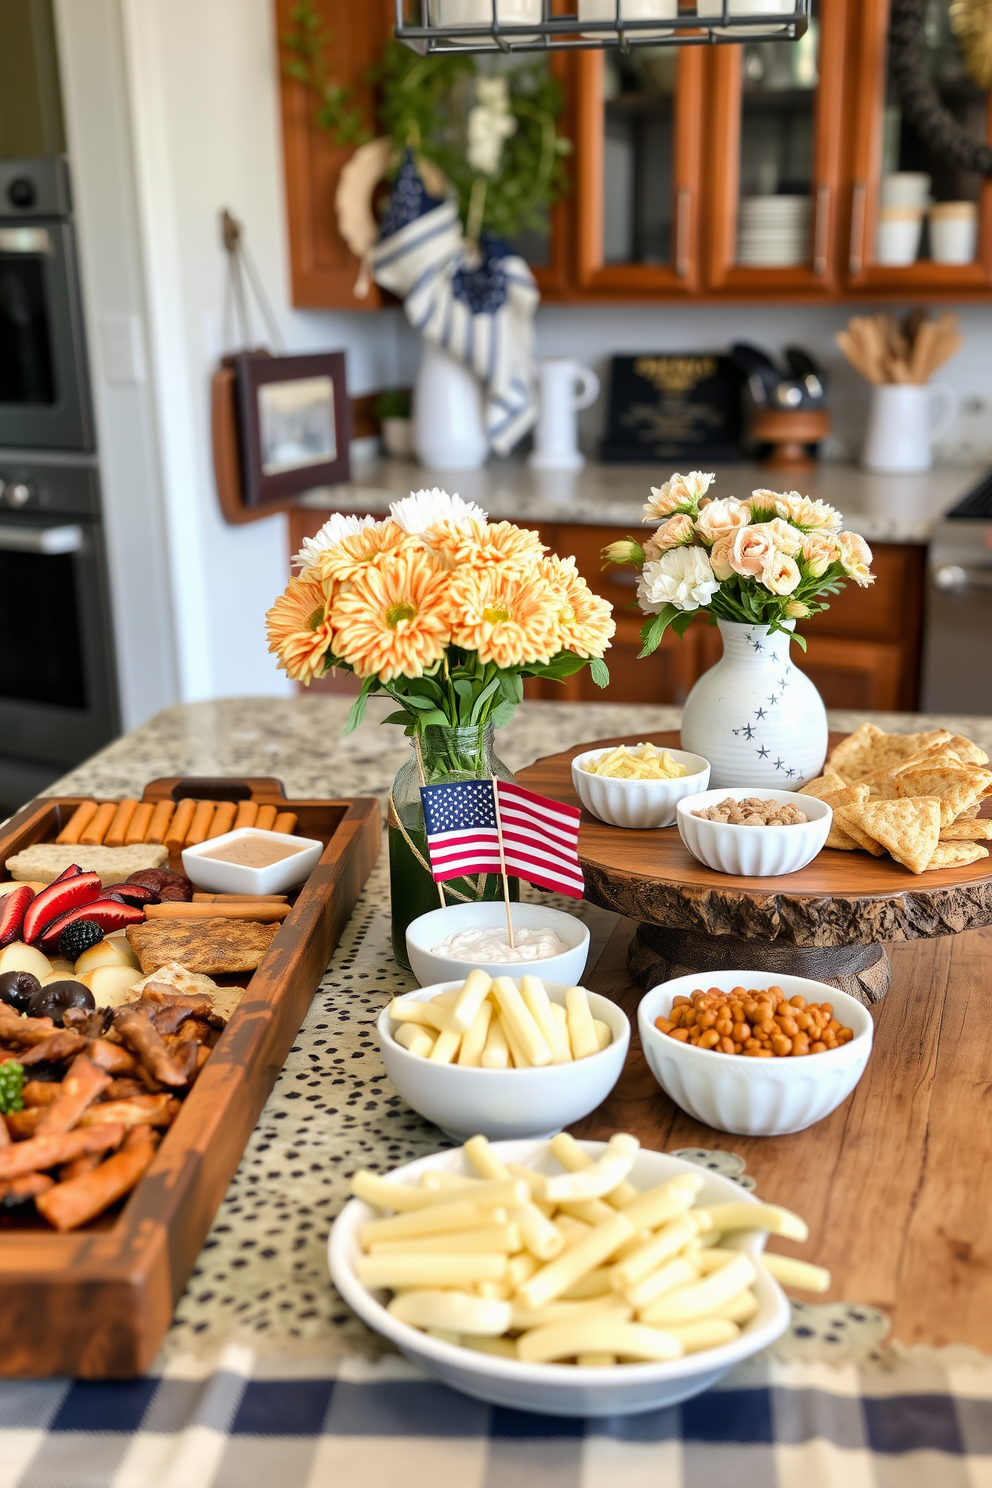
754 1057
754 836
639 787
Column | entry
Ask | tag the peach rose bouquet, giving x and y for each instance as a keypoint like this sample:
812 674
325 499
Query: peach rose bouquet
767 560
441 609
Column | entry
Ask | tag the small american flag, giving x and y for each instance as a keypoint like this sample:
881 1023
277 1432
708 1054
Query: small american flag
540 837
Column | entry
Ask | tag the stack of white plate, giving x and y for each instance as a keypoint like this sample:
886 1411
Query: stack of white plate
774 231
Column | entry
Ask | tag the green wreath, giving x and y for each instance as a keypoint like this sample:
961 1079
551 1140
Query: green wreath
424 104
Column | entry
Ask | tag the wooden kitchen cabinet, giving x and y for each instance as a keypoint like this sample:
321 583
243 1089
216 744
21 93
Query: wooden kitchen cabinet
864 652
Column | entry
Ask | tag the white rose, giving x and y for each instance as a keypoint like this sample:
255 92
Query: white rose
681 577
781 573
720 517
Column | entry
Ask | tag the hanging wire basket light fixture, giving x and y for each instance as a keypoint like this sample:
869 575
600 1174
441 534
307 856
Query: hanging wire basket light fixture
432 26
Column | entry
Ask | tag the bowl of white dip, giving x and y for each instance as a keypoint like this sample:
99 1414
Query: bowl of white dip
448 943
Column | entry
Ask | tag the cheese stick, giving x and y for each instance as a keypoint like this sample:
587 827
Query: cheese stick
542 1238
412 1010
455 1214
159 822
679 1272
415 1038
558 1275
496 1054
600 1178
517 1018
470 999
144 814
656 1206
596 1334
639 1266
792 1273
538 1004
445 1047
740 1309
573 1157
504 1237
770 1217
117 831
95 830
699 1298
474 1039
604 1037
595 1359
581 1034
458 1312
440 1269
705 1334
383 1194
78 821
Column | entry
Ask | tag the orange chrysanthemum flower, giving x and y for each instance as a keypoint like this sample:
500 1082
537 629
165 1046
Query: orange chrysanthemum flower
585 620
477 545
392 620
352 555
299 627
508 618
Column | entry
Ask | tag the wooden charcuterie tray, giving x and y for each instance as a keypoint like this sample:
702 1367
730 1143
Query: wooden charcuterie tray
829 921
96 1303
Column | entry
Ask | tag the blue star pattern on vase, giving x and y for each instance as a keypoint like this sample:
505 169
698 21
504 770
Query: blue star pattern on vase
762 753
752 732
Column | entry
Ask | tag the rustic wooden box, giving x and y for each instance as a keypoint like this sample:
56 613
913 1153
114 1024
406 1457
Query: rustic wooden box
96 1303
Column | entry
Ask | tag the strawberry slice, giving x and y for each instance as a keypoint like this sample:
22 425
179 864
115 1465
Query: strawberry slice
58 899
107 913
12 908
72 871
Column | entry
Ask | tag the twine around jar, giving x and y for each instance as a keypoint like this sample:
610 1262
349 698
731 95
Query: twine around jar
393 820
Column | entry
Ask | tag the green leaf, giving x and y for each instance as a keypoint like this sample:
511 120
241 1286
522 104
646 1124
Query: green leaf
434 717
682 622
501 714
357 710
483 698
653 630
400 717
799 640
599 672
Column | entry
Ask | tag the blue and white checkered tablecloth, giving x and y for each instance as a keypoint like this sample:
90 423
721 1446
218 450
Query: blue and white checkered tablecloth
243 1421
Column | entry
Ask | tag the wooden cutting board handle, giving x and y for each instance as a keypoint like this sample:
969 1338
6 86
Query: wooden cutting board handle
215 788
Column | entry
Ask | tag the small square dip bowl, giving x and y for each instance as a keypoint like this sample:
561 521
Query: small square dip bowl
219 877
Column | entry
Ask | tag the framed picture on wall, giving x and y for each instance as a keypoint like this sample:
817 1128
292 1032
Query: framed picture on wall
294 424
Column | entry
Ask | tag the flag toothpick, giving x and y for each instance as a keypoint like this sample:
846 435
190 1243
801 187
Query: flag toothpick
502 864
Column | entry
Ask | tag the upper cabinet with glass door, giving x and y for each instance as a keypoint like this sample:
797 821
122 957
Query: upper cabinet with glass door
919 220
774 152
637 170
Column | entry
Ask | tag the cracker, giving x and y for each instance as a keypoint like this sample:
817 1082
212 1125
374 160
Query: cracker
213 946
970 753
956 854
848 795
956 787
181 979
968 829
908 828
869 750
853 829
43 862
822 784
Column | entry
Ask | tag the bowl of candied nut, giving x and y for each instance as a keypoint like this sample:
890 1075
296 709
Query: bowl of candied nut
754 1054
753 834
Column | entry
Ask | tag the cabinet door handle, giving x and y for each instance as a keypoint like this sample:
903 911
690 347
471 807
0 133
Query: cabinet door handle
859 198
44 540
821 229
952 577
683 203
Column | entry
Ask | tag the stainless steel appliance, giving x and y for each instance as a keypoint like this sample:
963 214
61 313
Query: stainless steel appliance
957 658
58 698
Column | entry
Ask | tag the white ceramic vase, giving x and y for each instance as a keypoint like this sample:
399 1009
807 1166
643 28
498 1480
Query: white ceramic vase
757 718
448 430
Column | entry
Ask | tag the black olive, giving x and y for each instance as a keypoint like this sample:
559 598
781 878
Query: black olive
17 989
52 1001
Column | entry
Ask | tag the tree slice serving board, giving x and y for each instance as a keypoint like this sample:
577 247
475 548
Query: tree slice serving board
829 921
96 1303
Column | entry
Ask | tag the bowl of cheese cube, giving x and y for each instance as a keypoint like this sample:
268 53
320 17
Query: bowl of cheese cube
505 1056
637 786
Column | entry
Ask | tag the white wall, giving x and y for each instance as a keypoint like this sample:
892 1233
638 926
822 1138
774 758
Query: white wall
195 86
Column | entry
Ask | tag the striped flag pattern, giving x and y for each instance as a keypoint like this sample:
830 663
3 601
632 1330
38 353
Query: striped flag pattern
540 837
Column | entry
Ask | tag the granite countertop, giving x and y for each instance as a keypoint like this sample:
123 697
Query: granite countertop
299 740
882 508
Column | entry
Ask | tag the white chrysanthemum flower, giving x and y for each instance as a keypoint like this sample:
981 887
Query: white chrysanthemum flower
333 530
681 577
490 125
422 510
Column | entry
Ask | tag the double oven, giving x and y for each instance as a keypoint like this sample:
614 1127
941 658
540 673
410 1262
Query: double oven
58 699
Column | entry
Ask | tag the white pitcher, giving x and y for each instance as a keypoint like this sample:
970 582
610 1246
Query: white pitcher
448 432
901 426
565 388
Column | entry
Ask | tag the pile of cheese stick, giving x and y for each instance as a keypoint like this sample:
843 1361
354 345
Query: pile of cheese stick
577 1267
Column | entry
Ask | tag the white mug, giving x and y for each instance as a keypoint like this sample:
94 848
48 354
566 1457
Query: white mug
448 431
630 10
953 232
898 236
555 442
901 431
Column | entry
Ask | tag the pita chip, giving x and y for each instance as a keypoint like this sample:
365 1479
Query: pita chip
968 830
849 795
956 787
823 784
869 750
909 829
956 854
843 821
967 751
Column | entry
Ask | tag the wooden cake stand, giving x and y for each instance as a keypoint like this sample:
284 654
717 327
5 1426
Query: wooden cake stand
829 921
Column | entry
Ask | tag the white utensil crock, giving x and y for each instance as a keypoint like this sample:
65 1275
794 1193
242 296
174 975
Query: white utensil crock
555 440
448 432
901 426
757 718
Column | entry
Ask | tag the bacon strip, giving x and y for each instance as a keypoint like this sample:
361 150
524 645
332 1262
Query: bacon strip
17 1030
39 1153
23 1124
69 1205
58 1045
141 1035
139 1110
40 1093
112 1057
80 1088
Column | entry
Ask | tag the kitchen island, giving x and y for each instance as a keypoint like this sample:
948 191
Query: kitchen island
267 1377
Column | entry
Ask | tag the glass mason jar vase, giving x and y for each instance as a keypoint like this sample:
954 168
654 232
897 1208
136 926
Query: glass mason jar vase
445 756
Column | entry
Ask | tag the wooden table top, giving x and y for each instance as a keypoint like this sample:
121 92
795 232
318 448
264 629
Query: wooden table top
893 1184
839 899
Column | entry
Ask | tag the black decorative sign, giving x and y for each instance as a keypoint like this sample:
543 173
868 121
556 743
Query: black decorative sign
674 407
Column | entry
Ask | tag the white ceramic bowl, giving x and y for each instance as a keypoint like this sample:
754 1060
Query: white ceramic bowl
504 1104
640 804
218 877
754 852
428 930
754 1097
561 1389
